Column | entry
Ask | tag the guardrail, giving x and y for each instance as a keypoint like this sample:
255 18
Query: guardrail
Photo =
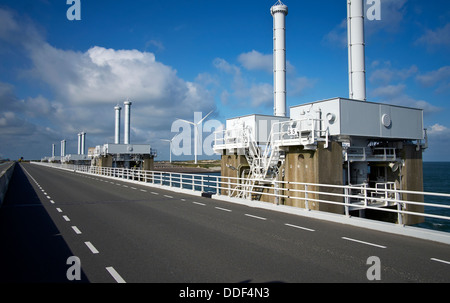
6 171
385 199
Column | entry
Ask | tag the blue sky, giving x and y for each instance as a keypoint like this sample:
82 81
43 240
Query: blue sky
174 58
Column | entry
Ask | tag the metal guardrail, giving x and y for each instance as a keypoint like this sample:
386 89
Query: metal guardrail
349 197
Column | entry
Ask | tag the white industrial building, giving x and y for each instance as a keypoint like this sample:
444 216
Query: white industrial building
341 141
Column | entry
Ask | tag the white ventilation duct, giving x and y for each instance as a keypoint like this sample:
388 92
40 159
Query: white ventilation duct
83 144
127 105
117 127
279 12
63 148
79 144
356 51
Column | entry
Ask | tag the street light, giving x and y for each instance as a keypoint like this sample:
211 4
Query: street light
196 132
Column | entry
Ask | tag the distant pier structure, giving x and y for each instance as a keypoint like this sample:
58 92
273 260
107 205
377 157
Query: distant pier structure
338 141
124 154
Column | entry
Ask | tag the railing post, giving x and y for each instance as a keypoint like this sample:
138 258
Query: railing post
347 200
306 197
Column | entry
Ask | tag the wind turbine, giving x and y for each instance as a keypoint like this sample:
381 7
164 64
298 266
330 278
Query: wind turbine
170 141
196 132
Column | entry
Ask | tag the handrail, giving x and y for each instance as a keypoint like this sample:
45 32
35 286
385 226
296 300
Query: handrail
307 192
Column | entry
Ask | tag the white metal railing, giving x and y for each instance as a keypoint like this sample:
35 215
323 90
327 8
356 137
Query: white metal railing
349 197
357 153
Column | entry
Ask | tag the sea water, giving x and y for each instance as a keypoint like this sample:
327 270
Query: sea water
436 178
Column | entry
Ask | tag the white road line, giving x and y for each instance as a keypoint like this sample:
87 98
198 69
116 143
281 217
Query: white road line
442 261
133 187
154 193
362 242
256 217
48 197
66 218
76 230
198 203
167 196
91 247
115 275
183 199
52 202
224 209
125 185
59 210
299 227
143 190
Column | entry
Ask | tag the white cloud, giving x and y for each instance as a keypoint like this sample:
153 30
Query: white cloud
386 73
255 60
86 85
395 94
436 38
439 78
438 129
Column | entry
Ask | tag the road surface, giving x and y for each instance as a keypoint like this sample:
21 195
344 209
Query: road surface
124 232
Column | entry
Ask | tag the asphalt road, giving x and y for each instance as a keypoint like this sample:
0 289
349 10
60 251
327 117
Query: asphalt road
123 232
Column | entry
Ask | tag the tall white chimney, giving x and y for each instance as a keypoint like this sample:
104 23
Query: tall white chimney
83 143
117 127
356 50
127 105
63 148
79 144
279 12
53 150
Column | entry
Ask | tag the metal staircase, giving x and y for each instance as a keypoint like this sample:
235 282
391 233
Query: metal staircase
263 160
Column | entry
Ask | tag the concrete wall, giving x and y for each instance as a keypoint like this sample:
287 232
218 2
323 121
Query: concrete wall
321 166
412 179
232 165
5 177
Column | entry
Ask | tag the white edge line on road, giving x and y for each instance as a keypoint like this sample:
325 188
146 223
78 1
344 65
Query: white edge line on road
167 196
66 218
59 210
52 202
76 230
198 203
256 217
442 261
224 209
362 242
91 247
299 227
115 275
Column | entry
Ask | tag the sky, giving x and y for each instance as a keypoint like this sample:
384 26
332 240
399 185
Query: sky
174 58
